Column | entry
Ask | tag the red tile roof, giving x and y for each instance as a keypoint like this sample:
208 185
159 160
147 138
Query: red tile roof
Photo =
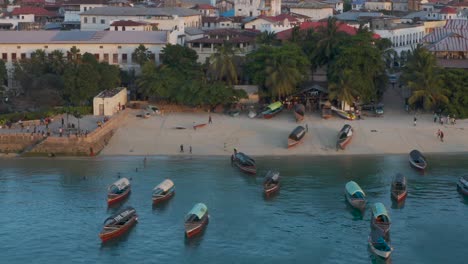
448 10
28 10
342 27
127 23
279 18
204 6
25 2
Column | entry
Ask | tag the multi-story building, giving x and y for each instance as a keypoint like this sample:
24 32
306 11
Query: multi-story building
273 23
29 18
253 8
73 8
314 10
404 37
376 6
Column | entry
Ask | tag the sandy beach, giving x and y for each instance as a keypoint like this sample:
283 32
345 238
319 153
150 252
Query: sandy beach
393 133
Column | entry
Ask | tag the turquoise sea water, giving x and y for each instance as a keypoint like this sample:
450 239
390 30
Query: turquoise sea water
53 209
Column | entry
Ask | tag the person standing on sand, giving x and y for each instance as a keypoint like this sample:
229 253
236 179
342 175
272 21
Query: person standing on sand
210 121
190 149
415 119
438 133
182 148
435 117
441 136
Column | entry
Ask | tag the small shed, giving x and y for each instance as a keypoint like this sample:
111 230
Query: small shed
109 102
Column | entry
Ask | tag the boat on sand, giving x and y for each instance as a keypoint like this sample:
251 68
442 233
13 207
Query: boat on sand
299 112
344 137
272 110
296 136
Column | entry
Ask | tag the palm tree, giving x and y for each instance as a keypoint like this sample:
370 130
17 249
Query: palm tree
343 90
267 38
328 43
222 64
424 79
56 62
282 76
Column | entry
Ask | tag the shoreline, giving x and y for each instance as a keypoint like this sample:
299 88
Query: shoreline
392 134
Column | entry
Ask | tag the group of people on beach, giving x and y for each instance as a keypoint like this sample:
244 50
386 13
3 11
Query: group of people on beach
445 120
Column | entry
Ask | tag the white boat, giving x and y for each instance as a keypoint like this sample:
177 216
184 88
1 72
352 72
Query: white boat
379 246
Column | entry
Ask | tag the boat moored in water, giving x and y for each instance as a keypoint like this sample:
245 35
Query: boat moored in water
271 183
296 136
118 224
380 219
399 189
244 162
379 246
118 191
344 137
462 185
196 220
355 196
299 112
417 160
163 191
272 110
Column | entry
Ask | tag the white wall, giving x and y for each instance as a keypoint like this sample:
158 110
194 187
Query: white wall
111 104
314 14
403 38
14 20
378 5
246 8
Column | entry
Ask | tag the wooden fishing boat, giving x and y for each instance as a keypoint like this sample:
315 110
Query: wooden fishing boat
344 137
244 162
399 189
417 160
462 185
118 224
326 110
379 246
296 136
271 183
299 112
355 196
344 114
163 191
380 219
198 126
196 220
118 191
272 110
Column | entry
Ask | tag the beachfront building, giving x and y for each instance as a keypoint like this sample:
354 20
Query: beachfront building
114 47
450 44
243 40
109 102
273 24
313 10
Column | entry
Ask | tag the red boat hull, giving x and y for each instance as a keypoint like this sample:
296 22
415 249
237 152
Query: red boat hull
199 126
345 143
118 198
163 199
111 235
247 169
272 190
197 230
299 117
399 197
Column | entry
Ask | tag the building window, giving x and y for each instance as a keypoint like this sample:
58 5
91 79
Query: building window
22 17
106 57
103 21
13 57
123 28
45 47
115 58
101 47
94 20
18 47
119 47
96 55
124 58
85 20
116 28
133 58
85 8
23 56
4 56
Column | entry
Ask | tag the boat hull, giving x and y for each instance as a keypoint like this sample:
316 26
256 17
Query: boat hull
271 190
399 195
292 143
345 115
162 198
417 166
113 199
380 253
342 144
271 114
383 227
461 189
193 229
106 236
359 204
299 117
199 126
247 169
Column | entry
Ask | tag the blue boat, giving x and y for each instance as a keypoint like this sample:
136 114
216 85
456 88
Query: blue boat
196 220
380 219
355 195
379 246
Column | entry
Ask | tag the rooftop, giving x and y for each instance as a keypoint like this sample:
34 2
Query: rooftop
91 37
355 16
127 23
109 93
31 10
140 11
342 27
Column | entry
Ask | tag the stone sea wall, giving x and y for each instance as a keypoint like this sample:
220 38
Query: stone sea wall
17 142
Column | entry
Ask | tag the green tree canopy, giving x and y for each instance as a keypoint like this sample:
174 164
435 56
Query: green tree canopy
141 55
222 64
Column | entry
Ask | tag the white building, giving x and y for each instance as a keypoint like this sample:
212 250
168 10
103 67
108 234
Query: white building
114 47
253 8
404 37
129 25
337 5
315 11
376 6
273 24
73 8
109 102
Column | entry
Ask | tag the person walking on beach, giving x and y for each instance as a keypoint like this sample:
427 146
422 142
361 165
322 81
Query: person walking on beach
435 117
190 149
448 118
181 147
60 132
63 122
210 121
441 136
415 119
438 133
307 128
